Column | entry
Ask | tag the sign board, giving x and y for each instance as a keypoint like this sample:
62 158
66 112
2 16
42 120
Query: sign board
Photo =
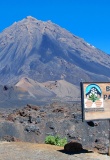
95 100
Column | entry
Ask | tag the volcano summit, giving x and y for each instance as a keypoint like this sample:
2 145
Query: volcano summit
43 51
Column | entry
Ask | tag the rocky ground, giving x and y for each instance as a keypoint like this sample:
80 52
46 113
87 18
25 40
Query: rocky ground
34 123
29 151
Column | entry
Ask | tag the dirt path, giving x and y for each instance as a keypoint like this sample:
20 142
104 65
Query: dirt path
29 151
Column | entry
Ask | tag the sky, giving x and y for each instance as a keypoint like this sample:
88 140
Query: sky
88 19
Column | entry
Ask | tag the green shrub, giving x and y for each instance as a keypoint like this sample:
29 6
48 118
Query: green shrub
56 140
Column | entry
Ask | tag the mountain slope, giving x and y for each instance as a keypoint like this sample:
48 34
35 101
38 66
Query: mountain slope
44 51
28 91
63 89
60 90
34 88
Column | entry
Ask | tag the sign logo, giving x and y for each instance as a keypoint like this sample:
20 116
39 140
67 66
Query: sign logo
93 96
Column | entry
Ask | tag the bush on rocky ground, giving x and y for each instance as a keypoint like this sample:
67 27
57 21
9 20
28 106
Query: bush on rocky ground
55 140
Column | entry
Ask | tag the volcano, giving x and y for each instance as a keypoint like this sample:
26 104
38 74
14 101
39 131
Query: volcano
43 51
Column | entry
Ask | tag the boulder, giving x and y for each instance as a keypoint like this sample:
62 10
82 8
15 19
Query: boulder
73 146
101 145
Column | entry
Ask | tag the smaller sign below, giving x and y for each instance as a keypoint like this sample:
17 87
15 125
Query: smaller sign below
95 100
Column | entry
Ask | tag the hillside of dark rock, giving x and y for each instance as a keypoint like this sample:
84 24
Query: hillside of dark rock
33 123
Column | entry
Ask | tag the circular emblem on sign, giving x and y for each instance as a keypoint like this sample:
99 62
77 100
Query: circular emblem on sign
93 96
93 92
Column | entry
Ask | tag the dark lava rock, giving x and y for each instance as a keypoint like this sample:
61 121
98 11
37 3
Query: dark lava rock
57 110
71 134
30 119
32 128
50 125
91 123
23 113
101 145
63 119
9 138
73 147
5 88
77 117
38 120
11 117
36 108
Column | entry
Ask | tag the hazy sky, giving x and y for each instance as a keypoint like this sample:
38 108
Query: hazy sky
88 19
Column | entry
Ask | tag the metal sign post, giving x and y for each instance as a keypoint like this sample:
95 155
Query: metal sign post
109 140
